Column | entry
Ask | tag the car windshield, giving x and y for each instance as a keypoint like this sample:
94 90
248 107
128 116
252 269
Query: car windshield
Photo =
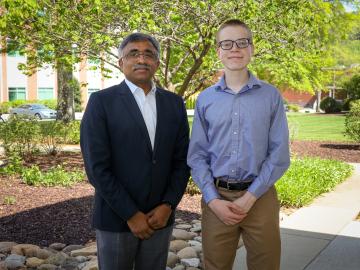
39 106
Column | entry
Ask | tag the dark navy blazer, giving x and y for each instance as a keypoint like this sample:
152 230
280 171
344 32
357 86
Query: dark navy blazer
127 174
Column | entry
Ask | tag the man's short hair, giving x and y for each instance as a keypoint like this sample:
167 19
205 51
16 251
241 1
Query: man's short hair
234 22
135 37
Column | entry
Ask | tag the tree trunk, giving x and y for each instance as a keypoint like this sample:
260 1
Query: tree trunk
65 108
318 100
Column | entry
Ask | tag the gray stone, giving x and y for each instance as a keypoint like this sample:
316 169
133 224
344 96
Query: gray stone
195 229
181 234
179 267
5 247
14 261
70 264
194 262
168 268
92 265
57 259
187 253
194 243
34 262
48 267
177 245
43 253
172 259
57 246
90 250
70 248
192 268
196 221
81 259
179 220
198 238
183 226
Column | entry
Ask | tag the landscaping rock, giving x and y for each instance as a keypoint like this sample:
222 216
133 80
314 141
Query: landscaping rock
34 262
177 245
25 250
194 262
57 246
43 254
57 259
180 234
172 259
48 267
187 253
70 248
5 247
91 250
14 261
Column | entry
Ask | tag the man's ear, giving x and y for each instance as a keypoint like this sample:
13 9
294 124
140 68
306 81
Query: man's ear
120 63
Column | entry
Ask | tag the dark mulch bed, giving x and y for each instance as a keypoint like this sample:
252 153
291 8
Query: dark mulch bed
46 215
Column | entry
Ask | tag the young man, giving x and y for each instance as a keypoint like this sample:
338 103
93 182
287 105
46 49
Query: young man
134 140
238 150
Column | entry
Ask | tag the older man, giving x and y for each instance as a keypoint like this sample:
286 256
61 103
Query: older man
134 140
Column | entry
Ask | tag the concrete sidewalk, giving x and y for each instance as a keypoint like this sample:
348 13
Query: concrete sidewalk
324 235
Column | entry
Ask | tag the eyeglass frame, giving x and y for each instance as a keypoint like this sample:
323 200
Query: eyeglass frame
137 54
249 41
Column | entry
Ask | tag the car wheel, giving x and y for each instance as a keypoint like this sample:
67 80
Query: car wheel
38 116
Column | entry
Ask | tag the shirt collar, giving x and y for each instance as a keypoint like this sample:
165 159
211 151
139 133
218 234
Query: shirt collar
221 84
133 87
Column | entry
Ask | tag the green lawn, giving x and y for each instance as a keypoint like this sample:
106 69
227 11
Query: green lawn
315 127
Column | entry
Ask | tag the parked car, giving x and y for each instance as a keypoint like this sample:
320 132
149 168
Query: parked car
35 110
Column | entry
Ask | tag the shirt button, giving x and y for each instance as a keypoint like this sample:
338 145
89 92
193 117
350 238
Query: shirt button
232 170
235 113
234 152
235 132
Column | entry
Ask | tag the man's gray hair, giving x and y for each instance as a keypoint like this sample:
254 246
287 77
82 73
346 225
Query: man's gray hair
134 37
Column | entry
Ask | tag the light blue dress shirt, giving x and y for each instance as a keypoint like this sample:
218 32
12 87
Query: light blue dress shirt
239 136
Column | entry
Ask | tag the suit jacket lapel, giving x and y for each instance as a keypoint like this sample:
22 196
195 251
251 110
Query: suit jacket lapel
132 106
159 117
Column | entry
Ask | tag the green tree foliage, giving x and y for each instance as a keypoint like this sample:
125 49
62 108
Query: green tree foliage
352 121
352 87
292 38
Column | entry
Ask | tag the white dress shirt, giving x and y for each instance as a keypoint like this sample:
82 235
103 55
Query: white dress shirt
147 106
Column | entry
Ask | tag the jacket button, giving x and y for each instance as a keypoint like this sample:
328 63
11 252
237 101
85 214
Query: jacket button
154 161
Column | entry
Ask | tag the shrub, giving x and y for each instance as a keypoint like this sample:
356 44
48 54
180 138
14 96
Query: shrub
352 121
5 107
293 107
14 166
308 177
54 177
53 134
352 87
50 103
192 188
330 105
72 133
9 200
20 135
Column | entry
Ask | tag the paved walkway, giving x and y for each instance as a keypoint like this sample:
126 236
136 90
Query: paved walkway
323 236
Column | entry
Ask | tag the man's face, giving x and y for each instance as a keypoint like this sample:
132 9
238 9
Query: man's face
139 62
235 59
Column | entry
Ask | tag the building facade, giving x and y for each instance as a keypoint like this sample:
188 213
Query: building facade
42 84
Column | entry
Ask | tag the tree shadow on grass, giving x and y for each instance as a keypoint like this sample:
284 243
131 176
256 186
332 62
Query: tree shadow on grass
67 222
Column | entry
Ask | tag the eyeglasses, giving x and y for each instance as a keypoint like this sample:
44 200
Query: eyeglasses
240 43
147 55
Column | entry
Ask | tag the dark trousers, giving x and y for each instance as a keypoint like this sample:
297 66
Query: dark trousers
124 251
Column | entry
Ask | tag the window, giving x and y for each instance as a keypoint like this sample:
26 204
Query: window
92 90
16 93
45 93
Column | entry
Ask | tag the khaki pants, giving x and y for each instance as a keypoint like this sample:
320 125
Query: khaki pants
260 232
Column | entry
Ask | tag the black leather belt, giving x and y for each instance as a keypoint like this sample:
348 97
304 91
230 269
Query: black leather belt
232 185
